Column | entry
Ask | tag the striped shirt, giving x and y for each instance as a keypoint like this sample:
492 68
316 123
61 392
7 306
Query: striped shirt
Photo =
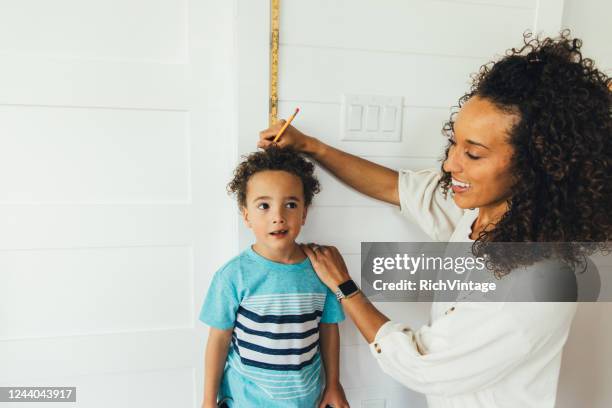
274 310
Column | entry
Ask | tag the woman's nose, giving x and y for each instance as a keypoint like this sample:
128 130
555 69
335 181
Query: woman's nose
452 163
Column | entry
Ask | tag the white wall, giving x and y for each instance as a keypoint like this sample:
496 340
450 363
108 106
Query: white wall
215 63
590 21
421 50
412 49
586 372
119 130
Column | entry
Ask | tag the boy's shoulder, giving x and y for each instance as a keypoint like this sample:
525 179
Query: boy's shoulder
235 265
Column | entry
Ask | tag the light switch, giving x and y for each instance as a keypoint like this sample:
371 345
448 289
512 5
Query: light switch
371 118
355 117
389 118
372 115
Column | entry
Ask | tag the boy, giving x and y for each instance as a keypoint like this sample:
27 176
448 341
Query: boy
267 305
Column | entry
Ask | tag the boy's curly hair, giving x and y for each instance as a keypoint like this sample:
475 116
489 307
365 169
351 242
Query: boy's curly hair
274 158
561 142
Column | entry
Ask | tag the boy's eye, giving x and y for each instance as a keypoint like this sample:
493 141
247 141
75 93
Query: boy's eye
292 205
263 206
471 156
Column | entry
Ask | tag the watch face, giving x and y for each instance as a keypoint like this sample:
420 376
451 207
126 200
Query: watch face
348 287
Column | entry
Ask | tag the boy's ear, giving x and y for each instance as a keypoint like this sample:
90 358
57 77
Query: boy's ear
245 216
304 215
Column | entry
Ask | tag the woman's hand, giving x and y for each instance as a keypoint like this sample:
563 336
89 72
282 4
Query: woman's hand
291 137
328 264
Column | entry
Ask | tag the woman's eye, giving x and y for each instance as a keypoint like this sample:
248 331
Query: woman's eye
292 205
263 206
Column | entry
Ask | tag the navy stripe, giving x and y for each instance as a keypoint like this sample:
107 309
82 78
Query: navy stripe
301 318
279 336
277 352
278 367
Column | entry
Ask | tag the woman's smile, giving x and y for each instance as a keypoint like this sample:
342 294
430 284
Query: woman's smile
459 187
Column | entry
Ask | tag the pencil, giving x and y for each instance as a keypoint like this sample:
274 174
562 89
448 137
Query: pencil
280 132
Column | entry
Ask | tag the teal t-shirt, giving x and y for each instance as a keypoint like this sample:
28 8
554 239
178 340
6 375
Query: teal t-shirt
274 310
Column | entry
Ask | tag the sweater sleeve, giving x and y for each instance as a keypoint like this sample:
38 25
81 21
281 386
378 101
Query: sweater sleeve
488 341
422 202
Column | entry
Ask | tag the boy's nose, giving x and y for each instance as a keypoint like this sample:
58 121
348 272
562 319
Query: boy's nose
278 217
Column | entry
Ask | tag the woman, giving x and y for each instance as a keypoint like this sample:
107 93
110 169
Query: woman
527 161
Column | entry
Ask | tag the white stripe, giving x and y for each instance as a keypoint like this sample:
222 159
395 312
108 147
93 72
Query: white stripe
280 359
306 383
283 311
278 328
286 303
287 296
276 343
286 299
258 298
313 386
275 395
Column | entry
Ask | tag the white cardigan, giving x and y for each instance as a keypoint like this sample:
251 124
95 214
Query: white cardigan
481 354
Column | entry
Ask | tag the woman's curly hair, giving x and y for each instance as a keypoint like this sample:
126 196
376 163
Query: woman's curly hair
274 158
562 149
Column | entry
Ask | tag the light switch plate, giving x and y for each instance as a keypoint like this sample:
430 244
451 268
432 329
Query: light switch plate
371 118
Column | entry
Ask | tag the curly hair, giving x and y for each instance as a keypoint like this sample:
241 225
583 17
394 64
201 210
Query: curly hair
274 158
561 145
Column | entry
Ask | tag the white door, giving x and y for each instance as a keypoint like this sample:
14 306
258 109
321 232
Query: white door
111 185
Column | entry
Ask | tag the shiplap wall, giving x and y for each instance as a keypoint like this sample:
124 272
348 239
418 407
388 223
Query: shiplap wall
391 47
109 227
586 372
423 50
589 20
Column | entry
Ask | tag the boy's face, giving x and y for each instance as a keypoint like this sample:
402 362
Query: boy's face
275 208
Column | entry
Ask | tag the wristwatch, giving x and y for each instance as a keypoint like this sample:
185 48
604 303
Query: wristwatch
346 290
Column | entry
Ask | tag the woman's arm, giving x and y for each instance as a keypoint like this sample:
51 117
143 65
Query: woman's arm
489 340
369 178
331 269
364 314
214 363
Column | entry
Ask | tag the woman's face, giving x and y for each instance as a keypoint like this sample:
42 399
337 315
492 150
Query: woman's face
480 158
